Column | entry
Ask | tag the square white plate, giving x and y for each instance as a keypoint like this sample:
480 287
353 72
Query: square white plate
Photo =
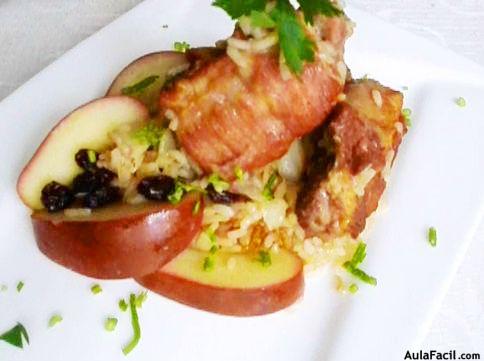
436 181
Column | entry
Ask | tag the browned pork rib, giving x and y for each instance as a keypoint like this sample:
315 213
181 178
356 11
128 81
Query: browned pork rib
226 117
353 154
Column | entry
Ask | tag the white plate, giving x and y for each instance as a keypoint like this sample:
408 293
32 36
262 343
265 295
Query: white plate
437 181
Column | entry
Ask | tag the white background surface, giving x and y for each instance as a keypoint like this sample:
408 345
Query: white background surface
34 33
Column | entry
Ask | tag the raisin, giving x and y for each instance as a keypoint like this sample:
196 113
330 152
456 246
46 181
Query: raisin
224 197
101 197
156 188
86 158
56 197
91 180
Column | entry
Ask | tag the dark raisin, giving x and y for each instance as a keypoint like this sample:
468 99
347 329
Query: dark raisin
86 158
90 180
101 197
56 197
225 197
156 188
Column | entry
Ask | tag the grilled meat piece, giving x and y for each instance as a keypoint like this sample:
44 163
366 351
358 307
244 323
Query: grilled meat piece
226 118
354 151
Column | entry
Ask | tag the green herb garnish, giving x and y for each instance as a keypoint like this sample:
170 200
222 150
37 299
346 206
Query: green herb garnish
208 263
236 8
352 265
218 183
264 258
110 324
239 173
54 320
91 156
461 102
181 188
181 46
268 191
139 86
15 336
213 249
432 236
150 134
196 207
353 288
141 298
3 288
311 8
407 116
135 324
123 306
95 289
294 43
261 19
20 285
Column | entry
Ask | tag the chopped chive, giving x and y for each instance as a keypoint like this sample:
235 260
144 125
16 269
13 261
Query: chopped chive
213 249
218 183
208 264
54 320
264 258
141 298
360 274
461 102
196 207
20 285
110 324
123 306
353 288
268 191
139 86
239 173
181 46
211 235
15 336
135 324
432 236
95 289
407 116
91 156
359 255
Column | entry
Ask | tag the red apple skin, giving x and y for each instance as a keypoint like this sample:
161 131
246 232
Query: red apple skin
129 245
227 301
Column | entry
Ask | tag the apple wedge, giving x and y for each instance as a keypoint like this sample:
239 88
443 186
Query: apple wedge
118 241
238 284
86 127
144 77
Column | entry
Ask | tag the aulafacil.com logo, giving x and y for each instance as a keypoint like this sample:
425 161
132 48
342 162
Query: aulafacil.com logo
436 355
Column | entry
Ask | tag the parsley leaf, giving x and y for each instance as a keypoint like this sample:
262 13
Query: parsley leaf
15 336
208 264
294 43
261 19
311 8
237 8
218 183
139 86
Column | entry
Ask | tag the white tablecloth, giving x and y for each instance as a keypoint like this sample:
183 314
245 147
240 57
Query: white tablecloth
35 32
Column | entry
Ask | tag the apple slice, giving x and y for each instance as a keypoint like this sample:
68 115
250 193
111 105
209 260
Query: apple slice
86 127
154 69
119 241
238 284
